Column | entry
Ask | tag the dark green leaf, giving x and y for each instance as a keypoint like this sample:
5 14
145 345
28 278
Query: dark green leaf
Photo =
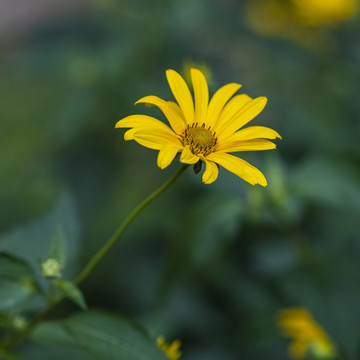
58 342
14 267
72 292
14 293
32 242
17 283
111 337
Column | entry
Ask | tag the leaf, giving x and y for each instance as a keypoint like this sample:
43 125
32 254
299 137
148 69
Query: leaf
14 267
111 337
59 343
72 292
17 283
31 242
53 333
13 294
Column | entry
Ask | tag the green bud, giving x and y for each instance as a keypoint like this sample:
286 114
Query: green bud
51 268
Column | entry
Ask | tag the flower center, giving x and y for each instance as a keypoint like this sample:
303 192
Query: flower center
201 139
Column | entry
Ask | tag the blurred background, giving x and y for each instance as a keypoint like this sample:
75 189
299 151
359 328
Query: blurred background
210 265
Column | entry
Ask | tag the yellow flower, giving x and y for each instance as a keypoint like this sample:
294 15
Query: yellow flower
204 133
172 351
306 22
318 12
307 336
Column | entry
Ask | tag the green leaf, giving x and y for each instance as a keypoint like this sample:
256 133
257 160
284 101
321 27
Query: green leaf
17 283
72 292
32 241
14 267
111 337
53 333
59 343
13 294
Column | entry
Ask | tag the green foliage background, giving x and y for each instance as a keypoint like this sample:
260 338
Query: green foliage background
210 265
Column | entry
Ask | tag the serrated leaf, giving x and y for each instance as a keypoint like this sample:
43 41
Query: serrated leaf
111 337
72 292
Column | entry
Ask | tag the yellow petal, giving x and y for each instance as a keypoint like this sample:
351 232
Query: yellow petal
167 154
187 157
239 167
218 101
154 139
133 121
254 132
176 108
176 122
211 172
245 113
201 94
182 94
232 108
129 135
246 145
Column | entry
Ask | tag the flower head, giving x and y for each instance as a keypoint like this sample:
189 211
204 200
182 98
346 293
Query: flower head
308 337
203 131
319 12
306 22
171 350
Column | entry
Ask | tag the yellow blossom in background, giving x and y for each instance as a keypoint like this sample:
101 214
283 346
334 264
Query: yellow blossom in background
305 22
204 131
271 17
203 67
330 12
308 338
172 350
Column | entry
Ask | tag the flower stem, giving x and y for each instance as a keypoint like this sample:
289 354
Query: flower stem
89 267
112 241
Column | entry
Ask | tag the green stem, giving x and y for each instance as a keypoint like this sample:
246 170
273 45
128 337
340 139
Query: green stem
17 338
112 241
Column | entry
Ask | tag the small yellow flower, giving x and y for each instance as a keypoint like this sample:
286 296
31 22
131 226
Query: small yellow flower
308 338
204 132
319 12
171 350
306 22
